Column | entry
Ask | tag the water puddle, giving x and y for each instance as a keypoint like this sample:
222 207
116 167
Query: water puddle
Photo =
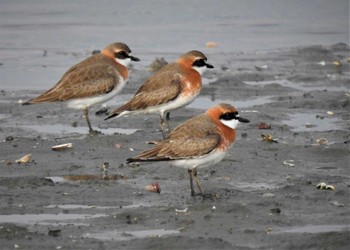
87 177
250 186
79 206
64 129
311 122
205 102
48 219
129 235
297 86
314 229
75 206
4 116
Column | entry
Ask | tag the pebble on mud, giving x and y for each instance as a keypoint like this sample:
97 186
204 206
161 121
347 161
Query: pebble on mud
154 187
268 138
264 125
211 44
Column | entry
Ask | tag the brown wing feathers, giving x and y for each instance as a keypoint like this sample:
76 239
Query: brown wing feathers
81 82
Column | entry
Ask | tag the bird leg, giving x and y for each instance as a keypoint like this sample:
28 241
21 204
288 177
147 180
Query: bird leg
193 173
164 126
167 117
193 193
197 181
86 114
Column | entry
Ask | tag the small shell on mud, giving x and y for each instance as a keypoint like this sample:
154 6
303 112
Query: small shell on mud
322 141
268 138
118 145
325 186
337 63
321 185
105 166
288 163
330 187
330 113
211 44
262 67
25 159
264 125
181 210
336 203
309 125
62 147
153 187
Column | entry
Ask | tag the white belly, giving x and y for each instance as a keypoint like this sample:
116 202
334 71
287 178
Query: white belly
200 162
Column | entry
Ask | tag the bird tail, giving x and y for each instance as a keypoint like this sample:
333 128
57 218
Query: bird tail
116 112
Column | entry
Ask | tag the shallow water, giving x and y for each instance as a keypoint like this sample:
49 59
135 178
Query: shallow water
298 86
250 186
310 122
61 129
315 229
205 102
60 218
128 235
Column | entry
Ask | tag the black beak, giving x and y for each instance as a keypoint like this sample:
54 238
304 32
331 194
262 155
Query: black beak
241 119
135 59
209 65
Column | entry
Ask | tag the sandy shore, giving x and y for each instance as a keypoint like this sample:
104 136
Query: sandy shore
266 192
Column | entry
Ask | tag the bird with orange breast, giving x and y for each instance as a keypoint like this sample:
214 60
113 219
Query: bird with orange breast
173 86
199 142
93 81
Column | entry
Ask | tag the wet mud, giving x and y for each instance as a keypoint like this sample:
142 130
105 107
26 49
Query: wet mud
265 194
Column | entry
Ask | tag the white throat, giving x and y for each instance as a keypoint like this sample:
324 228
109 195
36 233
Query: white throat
230 123
124 62
200 70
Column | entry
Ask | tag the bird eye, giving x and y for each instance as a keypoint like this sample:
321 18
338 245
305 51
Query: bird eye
229 116
199 63
121 55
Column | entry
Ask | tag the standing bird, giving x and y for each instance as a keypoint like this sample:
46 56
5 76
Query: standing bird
197 143
95 80
173 86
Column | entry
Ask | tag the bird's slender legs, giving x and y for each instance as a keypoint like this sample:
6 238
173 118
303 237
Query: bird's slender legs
193 173
167 117
193 193
164 124
86 114
197 181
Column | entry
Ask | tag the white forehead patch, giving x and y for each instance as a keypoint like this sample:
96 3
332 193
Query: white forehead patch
200 70
124 62
230 123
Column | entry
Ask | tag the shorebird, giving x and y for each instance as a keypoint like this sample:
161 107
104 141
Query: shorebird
95 80
199 142
173 86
